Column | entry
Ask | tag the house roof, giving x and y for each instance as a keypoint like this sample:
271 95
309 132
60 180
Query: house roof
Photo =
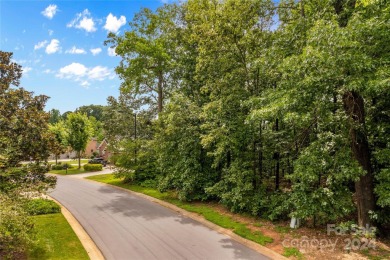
104 141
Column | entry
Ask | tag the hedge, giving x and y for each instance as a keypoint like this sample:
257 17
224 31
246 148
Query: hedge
41 206
93 167
61 166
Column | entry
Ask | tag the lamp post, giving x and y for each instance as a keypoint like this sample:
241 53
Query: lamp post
135 138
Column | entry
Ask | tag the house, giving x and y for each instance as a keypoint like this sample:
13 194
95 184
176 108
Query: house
103 151
93 149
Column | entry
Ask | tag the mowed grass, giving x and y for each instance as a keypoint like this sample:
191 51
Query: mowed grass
83 161
55 239
70 171
208 212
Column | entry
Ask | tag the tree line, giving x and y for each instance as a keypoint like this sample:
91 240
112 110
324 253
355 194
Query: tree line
276 109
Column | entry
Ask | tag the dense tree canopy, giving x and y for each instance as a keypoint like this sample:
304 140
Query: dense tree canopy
24 135
279 117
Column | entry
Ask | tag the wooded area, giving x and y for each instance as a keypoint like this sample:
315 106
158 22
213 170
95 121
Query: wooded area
276 109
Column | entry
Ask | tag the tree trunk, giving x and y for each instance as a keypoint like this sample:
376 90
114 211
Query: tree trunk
354 107
160 92
79 155
260 155
277 158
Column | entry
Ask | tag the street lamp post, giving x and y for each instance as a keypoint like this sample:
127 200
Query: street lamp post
135 138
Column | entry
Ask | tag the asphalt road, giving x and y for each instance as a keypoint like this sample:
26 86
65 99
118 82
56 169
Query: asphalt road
125 226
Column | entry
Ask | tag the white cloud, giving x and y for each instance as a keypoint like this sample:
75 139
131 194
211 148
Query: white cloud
47 71
99 73
40 45
85 84
50 32
111 52
26 70
83 75
113 24
74 69
53 46
74 50
95 51
83 21
50 11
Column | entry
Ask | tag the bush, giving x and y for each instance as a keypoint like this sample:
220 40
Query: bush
93 167
62 166
41 206
16 229
67 165
56 167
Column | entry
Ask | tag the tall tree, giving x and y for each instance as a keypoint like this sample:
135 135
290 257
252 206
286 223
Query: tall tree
92 110
146 57
79 132
60 138
55 116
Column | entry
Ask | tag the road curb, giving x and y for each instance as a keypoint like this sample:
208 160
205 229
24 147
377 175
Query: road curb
89 245
255 246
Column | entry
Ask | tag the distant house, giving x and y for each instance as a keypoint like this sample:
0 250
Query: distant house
93 149
69 154
103 152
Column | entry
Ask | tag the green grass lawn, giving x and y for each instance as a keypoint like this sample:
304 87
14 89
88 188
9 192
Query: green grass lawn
55 239
70 171
83 161
202 209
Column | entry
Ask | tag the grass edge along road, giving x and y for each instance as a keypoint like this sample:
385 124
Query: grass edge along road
56 239
207 212
69 171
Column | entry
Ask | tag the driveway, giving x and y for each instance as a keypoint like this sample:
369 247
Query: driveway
125 226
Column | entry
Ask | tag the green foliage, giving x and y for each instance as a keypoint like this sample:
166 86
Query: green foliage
275 119
57 167
60 143
182 161
78 132
292 251
62 166
24 135
55 116
95 111
40 207
16 229
93 167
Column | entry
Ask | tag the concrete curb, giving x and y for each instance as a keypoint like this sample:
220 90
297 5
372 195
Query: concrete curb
93 251
255 246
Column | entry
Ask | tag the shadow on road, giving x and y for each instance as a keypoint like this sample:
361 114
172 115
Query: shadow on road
133 206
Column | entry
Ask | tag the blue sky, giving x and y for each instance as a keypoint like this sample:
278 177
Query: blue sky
60 46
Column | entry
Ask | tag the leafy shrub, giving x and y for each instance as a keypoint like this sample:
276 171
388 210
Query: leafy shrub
62 166
67 165
93 167
16 229
57 167
41 206
149 184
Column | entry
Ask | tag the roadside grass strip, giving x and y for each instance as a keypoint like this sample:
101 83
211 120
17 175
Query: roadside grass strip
71 171
55 239
204 210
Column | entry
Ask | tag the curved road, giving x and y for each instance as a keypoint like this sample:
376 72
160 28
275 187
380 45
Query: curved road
125 226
